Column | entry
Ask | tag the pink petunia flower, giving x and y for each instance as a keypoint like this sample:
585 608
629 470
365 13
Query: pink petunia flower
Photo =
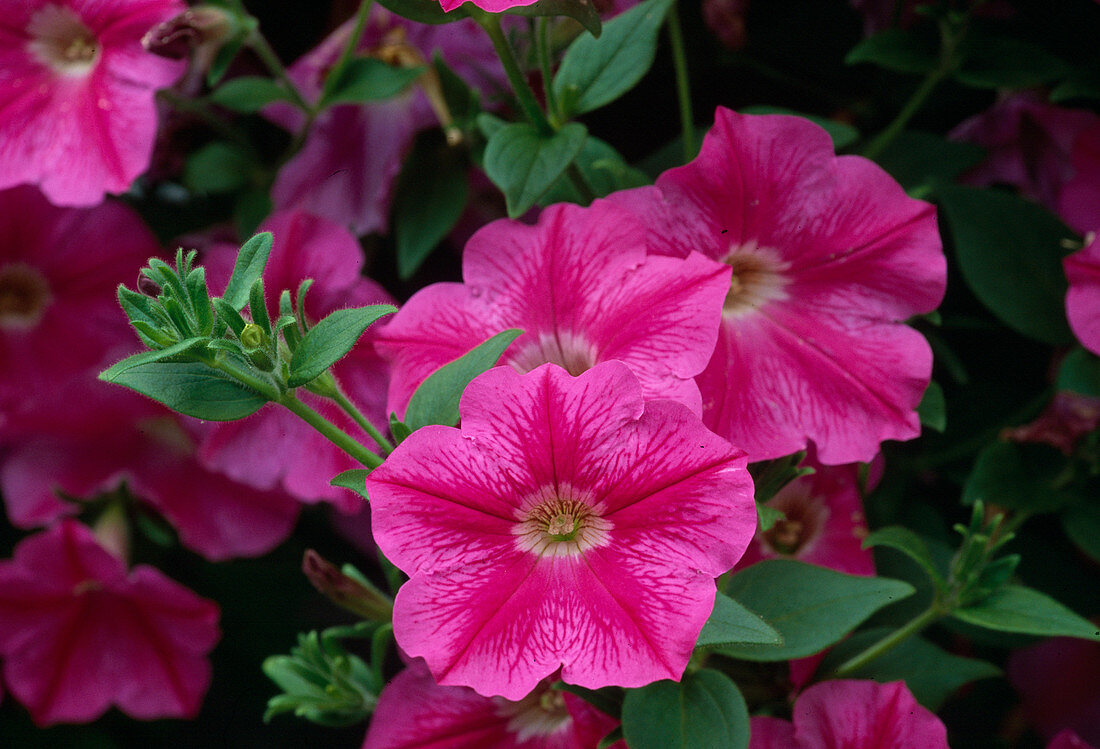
265 449
77 110
1083 297
824 523
345 170
828 256
1028 144
79 633
580 286
59 269
414 712
1067 739
99 436
1059 685
845 714
1079 201
568 525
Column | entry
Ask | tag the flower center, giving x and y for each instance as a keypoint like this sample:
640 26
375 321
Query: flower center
24 295
757 278
804 520
569 351
60 40
560 522
536 715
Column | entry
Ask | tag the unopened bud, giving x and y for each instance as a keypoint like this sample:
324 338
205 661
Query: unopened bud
252 337
148 286
202 26
345 591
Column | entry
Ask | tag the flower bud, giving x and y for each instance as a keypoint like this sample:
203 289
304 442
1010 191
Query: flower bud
344 590
203 26
252 337
148 286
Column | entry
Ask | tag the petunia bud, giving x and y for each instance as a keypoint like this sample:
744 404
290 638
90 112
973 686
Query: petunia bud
344 590
204 26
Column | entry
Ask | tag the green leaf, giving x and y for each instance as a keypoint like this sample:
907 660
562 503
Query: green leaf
111 374
423 11
1081 523
217 168
931 674
398 429
251 261
1015 608
524 163
199 296
428 200
1080 373
1083 83
811 607
463 100
1020 477
139 307
367 79
705 709
248 94
227 53
933 408
909 544
768 516
608 700
354 479
257 305
898 50
994 61
330 340
435 401
1010 252
581 11
595 72
250 209
731 622
605 170
843 134
920 161
193 389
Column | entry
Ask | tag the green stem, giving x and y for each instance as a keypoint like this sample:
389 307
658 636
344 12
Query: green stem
542 46
357 415
580 184
888 643
333 433
271 61
266 388
949 44
353 41
683 84
520 86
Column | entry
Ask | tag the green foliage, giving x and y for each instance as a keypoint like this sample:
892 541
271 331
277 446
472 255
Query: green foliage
1080 373
217 168
595 72
931 674
603 168
1027 476
731 622
1015 608
923 161
908 543
429 198
436 400
111 374
192 388
705 709
996 61
811 607
843 135
353 479
424 11
366 79
1081 523
248 94
1010 252
524 163
581 11
899 50
250 264
933 408
330 340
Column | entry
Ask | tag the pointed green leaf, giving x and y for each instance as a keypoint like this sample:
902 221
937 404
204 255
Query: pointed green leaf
1015 608
251 261
811 607
595 72
248 94
257 305
899 50
423 11
331 339
1081 523
843 134
193 389
367 79
436 400
1019 476
705 709
731 622
1080 373
524 163
354 479
996 61
933 408
909 544
111 374
581 11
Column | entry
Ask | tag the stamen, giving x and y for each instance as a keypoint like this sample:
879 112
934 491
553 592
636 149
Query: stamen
60 40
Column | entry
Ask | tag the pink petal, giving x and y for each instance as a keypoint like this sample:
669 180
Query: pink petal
1083 297
845 713
771 733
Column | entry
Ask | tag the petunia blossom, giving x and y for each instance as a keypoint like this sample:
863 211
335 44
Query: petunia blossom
353 152
265 449
59 271
823 522
77 110
567 525
79 633
844 714
1083 297
1059 685
1067 739
97 437
1079 201
581 287
414 712
829 255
